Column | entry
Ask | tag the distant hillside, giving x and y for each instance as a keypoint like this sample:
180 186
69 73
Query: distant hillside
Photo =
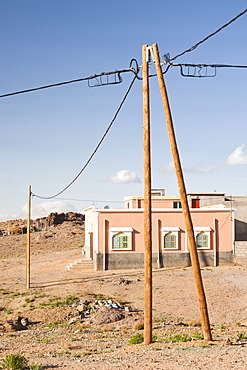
18 227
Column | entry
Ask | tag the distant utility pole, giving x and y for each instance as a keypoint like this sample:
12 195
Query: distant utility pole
147 202
28 238
182 190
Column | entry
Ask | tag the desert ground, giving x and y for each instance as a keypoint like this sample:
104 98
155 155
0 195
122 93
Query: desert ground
80 319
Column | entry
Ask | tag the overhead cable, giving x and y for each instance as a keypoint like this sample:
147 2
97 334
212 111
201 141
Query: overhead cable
96 77
212 34
90 200
97 147
201 70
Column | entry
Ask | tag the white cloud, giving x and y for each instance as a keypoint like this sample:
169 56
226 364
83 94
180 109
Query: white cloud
45 208
124 177
237 157
7 216
200 170
169 167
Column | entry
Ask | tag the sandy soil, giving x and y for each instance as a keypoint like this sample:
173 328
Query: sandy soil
54 342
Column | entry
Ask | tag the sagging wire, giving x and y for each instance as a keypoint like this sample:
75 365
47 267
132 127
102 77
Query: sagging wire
209 36
168 60
95 150
202 70
91 200
97 77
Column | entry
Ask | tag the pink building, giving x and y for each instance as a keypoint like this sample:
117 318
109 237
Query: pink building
114 238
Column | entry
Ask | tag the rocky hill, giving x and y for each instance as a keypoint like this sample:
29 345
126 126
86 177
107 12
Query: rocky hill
53 233
18 227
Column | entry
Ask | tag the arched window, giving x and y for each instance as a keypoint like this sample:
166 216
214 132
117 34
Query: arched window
170 237
202 237
120 241
121 238
170 241
202 240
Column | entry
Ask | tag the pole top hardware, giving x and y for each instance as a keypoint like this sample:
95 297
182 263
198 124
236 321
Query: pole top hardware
149 54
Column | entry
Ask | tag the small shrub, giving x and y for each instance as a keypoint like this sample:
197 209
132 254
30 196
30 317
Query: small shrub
33 366
136 339
242 336
177 338
14 362
71 299
29 300
55 324
181 338
197 335
220 326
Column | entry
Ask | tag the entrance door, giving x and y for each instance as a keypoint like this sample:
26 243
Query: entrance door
91 246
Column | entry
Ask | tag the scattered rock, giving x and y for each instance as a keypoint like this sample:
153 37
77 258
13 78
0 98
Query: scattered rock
106 315
14 326
123 281
24 321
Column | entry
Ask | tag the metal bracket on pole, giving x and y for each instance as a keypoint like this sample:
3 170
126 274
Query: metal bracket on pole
149 54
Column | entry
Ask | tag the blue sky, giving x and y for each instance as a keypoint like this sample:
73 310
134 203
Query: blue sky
47 136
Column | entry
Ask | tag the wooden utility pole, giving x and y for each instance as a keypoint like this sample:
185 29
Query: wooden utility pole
28 238
182 190
147 202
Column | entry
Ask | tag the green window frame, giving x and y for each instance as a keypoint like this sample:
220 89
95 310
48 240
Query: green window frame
170 237
120 238
170 241
202 240
120 241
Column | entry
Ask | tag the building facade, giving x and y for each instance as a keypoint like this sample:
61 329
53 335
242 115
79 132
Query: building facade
114 238
234 202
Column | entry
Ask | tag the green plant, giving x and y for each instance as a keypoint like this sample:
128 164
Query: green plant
8 312
242 336
14 362
71 299
181 338
177 338
197 335
220 327
98 297
54 324
29 300
136 339
33 366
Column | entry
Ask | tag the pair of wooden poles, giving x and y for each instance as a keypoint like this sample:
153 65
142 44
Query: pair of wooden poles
147 199
147 204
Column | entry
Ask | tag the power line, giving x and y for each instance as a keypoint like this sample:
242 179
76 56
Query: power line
135 70
97 77
97 147
202 70
89 200
212 34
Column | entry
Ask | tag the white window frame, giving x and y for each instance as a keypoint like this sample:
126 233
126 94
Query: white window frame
167 230
127 231
207 231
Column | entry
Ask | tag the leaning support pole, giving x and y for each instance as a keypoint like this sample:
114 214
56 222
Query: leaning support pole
181 185
28 238
147 204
